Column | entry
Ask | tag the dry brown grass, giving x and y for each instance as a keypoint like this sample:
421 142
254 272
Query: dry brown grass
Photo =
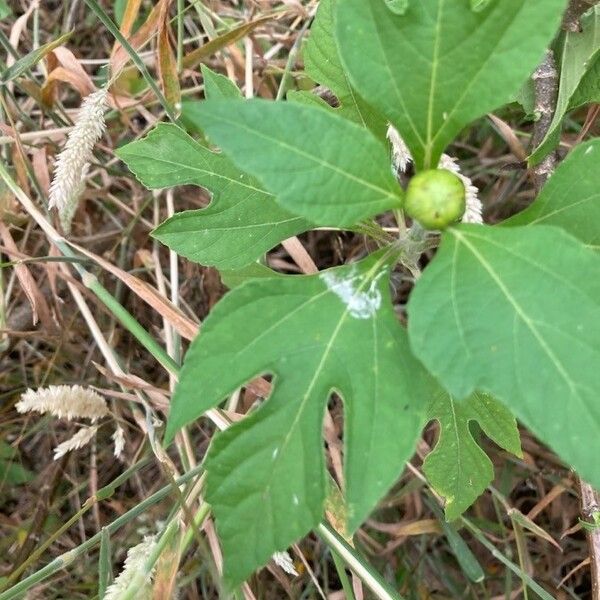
45 339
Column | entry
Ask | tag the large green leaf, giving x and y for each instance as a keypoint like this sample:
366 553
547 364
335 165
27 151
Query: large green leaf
334 331
589 87
241 223
571 197
317 164
457 468
441 65
578 54
515 312
323 64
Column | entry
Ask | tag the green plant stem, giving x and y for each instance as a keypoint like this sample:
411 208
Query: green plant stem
125 317
199 517
139 63
371 578
341 571
104 564
291 61
541 592
64 560
180 32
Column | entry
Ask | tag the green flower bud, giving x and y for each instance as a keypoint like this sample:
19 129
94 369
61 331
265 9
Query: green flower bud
435 198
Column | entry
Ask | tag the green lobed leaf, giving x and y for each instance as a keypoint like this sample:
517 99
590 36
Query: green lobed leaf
578 53
242 222
334 331
441 65
317 164
571 197
217 86
457 468
515 312
323 64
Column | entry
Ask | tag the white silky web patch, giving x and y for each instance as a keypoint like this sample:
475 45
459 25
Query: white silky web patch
361 304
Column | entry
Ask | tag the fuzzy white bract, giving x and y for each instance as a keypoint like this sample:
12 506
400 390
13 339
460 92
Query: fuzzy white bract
284 560
65 402
79 440
401 158
118 438
72 163
135 561
474 208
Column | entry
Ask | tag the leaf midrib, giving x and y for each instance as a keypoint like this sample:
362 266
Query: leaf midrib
406 113
458 450
230 227
433 83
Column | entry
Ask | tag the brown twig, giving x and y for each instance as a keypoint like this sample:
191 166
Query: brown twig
590 508
572 16
545 81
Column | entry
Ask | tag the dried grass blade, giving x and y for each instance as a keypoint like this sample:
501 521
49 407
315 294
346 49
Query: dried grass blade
226 39
36 299
166 309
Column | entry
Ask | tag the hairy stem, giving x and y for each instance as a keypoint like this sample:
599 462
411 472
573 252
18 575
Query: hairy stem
545 81
590 509
576 8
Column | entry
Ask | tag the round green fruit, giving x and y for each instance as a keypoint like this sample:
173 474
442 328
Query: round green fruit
435 198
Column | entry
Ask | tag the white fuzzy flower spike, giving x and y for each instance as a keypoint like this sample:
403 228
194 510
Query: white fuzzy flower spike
401 158
73 161
284 560
136 558
64 402
79 440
